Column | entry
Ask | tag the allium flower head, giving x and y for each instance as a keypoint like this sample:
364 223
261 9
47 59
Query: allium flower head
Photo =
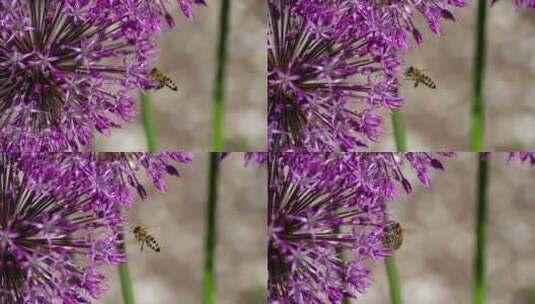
327 218
51 245
395 18
328 76
67 68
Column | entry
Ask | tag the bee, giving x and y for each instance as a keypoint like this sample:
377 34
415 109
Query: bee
392 235
418 76
162 80
143 237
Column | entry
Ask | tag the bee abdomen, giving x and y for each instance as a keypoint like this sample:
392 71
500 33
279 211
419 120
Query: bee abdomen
152 244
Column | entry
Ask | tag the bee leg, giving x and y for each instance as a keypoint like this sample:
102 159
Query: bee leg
416 83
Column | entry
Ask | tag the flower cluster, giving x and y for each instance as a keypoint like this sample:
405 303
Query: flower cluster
396 18
61 217
67 68
332 68
327 216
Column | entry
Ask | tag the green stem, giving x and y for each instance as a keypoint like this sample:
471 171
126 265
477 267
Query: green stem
124 277
399 130
152 141
148 123
211 237
390 263
393 280
478 104
219 81
481 226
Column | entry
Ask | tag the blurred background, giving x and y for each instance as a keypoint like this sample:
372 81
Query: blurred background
177 218
435 260
187 55
440 119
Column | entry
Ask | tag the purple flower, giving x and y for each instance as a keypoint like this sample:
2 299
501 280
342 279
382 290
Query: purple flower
68 67
329 76
110 177
327 216
255 158
520 4
52 245
395 18
523 156
186 6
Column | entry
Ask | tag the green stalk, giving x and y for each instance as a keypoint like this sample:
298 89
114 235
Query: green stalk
124 277
148 123
393 280
390 263
481 227
478 104
399 130
211 237
219 81
152 141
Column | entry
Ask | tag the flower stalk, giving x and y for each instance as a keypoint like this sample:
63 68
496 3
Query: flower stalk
478 104
393 280
152 142
390 263
398 123
124 276
219 81
481 230
209 288
148 123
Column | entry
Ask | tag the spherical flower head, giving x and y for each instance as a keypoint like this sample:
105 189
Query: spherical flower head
51 246
327 217
394 19
328 77
68 67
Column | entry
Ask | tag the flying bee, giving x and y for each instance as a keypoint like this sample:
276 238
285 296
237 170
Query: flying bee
162 80
392 235
418 76
143 237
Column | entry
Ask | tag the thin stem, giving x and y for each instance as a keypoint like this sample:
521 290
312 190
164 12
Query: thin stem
124 277
390 263
478 104
399 130
148 123
393 280
481 227
211 237
219 81
152 141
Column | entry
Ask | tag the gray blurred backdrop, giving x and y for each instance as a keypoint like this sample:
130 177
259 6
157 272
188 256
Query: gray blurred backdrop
187 55
435 260
177 218
439 119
